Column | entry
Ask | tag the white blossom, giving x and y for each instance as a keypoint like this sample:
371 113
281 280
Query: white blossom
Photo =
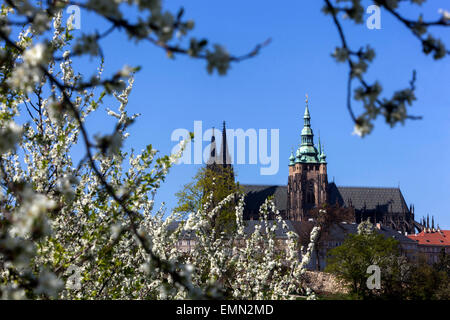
10 135
445 14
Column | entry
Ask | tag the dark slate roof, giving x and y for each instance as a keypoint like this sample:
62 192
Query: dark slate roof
368 198
257 194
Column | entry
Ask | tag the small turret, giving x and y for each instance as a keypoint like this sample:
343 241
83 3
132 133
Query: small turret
213 152
323 156
292 159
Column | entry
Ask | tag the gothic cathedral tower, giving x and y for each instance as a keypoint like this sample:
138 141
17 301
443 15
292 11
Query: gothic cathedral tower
308 181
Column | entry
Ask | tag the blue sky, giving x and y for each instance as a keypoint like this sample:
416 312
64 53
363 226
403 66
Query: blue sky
268 92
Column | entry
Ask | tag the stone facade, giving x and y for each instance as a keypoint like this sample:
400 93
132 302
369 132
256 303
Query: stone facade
307 188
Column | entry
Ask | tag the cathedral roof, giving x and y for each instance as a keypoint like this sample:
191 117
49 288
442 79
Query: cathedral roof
257 194
368 198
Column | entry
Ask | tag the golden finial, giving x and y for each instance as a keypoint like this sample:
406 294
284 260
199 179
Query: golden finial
306 95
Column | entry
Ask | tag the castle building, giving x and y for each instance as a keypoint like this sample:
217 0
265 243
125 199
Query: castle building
431 241
308 188
432 244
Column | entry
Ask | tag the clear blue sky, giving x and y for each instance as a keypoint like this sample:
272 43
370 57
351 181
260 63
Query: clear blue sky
268 92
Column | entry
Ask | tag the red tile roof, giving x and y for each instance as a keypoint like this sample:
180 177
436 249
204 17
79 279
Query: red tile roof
437 238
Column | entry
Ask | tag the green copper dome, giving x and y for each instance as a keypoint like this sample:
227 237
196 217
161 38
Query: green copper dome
307 152
297 155
291 159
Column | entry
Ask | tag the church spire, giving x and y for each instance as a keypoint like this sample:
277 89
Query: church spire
306 116
212 161
220 158
224 155
323 156
307 133
213 146
319 146
307 151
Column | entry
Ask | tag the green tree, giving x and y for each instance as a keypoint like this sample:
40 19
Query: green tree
208 187
351 260
444 262
426 282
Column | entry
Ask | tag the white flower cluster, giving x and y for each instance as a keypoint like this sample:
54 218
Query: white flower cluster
366 227
10 135
58 215
26 75
445 14
31 215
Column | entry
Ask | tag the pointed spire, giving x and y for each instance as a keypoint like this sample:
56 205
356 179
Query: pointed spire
308 152
306 115
322 156
307 133
224 155
213 151
432 222
213 145
319 146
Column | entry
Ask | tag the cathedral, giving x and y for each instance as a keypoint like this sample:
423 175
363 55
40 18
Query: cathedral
308 188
